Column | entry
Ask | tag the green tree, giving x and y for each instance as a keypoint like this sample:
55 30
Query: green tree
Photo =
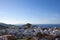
28 25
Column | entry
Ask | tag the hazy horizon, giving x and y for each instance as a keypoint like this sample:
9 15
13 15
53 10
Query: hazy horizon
30 11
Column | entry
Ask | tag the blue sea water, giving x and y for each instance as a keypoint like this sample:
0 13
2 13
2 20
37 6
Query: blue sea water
48 25
45 25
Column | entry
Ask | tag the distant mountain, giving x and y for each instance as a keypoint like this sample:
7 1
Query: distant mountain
3 25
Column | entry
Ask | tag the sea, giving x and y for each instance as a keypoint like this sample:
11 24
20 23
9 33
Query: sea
45 25
48 25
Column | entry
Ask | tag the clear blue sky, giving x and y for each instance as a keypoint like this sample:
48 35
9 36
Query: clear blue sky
30 11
